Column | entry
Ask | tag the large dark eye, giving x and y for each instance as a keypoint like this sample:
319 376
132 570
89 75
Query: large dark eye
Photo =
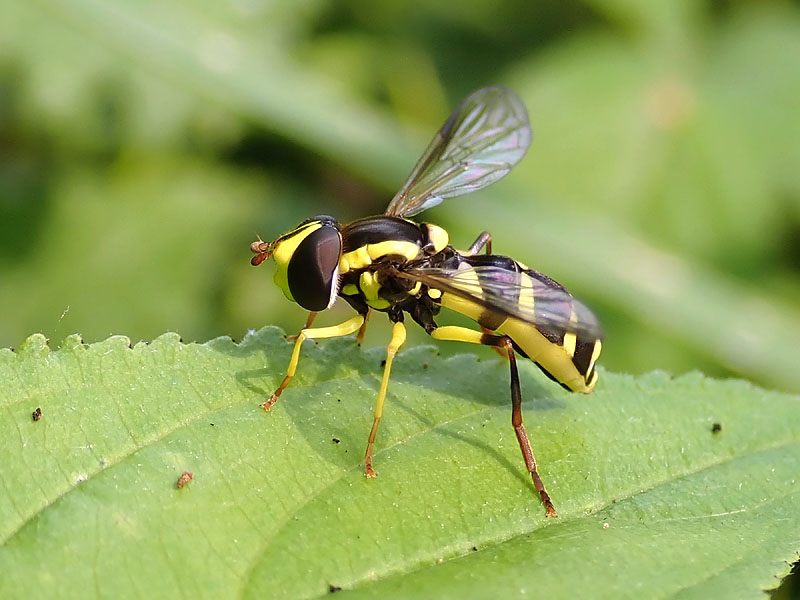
313 268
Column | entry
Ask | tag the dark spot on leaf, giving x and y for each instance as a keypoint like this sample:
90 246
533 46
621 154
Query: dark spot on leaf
383 362
212 424
37 414
333 588
474 548
716 428
336 440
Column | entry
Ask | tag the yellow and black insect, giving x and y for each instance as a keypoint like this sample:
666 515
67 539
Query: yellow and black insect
393 265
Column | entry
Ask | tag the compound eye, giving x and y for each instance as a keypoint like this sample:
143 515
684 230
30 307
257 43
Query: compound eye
314 268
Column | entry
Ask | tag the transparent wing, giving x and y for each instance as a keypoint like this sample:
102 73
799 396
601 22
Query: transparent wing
529 296
481 141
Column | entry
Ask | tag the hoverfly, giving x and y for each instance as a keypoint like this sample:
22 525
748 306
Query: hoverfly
394 265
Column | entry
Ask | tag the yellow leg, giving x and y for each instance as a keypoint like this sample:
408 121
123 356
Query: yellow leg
462 334
340 330
398 339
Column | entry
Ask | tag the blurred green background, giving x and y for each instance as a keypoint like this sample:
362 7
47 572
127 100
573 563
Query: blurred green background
144 145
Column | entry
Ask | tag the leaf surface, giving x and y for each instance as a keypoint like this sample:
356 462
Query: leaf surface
649 497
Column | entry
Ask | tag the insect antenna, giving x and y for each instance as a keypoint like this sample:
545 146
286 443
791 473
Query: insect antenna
262 251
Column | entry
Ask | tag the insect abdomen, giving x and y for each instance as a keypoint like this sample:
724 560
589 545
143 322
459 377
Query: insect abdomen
567 357
571 364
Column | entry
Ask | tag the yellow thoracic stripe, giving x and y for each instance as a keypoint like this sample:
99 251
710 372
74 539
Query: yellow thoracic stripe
350 289
364 256
369 288
355 259
438 238
434 293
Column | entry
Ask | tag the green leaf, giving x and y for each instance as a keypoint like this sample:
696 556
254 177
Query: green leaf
649 497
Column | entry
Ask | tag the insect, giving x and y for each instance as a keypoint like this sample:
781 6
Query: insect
391 264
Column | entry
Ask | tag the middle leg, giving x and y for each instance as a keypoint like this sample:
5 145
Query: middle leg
398 339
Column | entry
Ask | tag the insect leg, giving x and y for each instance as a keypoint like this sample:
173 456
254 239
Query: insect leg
522 435
498 349
311 316
346 328
462 334
363 330
398 339
484 239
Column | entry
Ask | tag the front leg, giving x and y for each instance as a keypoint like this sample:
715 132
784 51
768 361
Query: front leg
346 328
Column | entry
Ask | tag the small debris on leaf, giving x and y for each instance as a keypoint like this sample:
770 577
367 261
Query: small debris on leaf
185 478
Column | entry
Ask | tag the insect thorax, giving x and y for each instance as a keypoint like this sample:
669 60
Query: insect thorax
374 249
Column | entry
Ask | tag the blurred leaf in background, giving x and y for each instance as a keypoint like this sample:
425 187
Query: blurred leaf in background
144 145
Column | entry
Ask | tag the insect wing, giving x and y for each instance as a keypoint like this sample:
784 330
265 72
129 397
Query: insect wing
481 141
528 296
